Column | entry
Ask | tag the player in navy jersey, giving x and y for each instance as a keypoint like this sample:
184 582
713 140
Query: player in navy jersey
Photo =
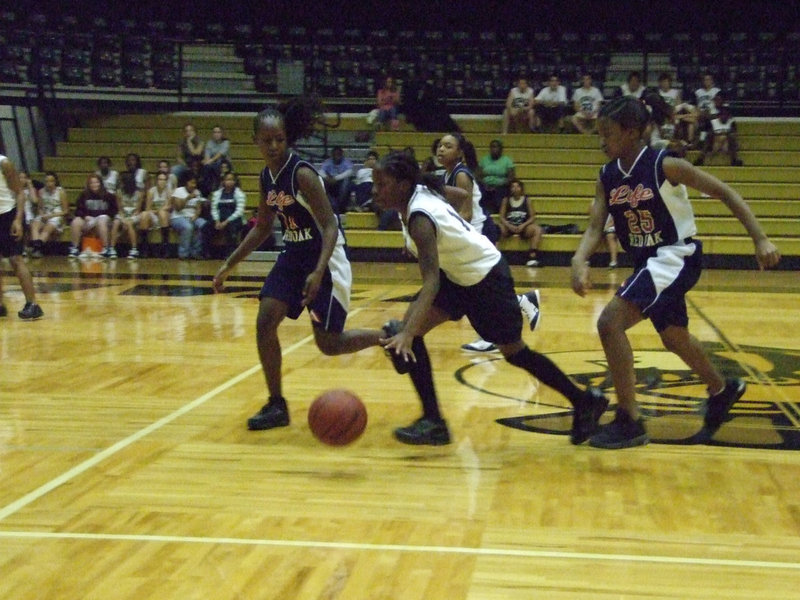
457 155
463 274
312 272
644 191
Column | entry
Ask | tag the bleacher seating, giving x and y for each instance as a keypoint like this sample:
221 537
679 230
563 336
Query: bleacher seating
558 171
757 66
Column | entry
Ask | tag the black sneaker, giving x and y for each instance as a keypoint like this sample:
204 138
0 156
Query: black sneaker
424 431
622 432
30 312
401 365
719 405
272 414
3 310
586 415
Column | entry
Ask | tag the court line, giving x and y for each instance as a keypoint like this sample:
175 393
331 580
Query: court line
402 548
81 468
756 374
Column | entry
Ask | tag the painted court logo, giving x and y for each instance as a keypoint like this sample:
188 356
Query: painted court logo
672 397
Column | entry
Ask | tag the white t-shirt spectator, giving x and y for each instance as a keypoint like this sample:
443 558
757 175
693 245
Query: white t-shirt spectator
588 100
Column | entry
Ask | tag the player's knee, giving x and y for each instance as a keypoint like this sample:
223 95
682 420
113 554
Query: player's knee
608 323
327 343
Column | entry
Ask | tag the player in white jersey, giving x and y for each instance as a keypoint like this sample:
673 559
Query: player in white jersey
463 274
12 210
52 210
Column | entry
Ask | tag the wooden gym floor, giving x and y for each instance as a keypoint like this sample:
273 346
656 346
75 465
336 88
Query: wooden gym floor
127 472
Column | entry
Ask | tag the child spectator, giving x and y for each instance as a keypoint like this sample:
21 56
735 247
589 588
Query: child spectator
227 211
108 176
363 183
518 217
52 210
185 206
336 172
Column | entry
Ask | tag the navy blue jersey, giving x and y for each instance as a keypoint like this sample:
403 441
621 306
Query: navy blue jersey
648 211
282 194
478 217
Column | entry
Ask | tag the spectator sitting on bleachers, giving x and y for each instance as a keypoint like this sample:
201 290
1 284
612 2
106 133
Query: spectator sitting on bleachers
227 210
363 183
388 100
633 86
550 106
185 208
156 208
495 171
129 218
216 150
336 172
706 111
518 217
586 101
133 165
723 134
683 114
163 167
191 147
51 214
661 130
518 111
94 210
108 176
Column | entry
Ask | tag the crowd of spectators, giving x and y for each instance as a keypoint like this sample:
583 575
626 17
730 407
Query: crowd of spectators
196 197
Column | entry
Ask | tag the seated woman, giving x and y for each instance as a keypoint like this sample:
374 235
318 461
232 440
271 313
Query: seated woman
94 210
130 217
518 217
185 207
51 210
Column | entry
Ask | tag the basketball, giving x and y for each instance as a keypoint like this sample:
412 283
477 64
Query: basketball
337 417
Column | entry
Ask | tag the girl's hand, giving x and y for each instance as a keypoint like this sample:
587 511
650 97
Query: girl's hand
400 344
767 254
311 288
581 282
220 277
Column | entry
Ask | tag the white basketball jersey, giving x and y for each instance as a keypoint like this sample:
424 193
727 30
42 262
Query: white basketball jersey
7 199
465 255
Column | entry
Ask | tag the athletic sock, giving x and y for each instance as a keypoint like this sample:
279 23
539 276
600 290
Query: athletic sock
546 371
422 378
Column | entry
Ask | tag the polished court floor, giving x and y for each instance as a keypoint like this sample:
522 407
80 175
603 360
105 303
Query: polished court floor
126 469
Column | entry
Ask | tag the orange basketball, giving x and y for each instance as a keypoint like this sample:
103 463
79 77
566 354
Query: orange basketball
337 417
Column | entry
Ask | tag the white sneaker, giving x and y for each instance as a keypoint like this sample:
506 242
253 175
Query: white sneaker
134 253
109 252
532 263
529 305
612 264
479 345
73 252
85 254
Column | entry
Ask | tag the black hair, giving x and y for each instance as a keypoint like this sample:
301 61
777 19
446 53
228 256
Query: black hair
127 182
517 181
102 158
373 154
55 176
628 111
661 111
298 115
470 156
633 74
435 145
186 176
664 76
135 156
402 167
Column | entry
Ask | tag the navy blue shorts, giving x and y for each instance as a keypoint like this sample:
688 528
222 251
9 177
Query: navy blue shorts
491 305
658 288
8 245
287 278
